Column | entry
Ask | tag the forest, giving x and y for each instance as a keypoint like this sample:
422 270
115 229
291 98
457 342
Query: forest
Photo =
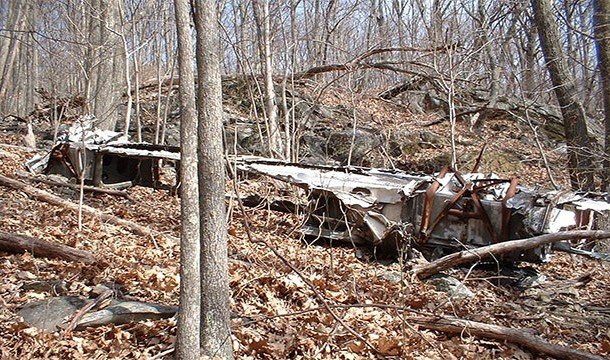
304 179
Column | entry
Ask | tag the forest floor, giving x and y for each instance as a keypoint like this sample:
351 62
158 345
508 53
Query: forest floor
275 313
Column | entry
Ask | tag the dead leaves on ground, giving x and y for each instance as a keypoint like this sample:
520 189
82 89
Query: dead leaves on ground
275 313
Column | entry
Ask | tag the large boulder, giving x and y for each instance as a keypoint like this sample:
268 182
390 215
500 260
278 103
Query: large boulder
355 147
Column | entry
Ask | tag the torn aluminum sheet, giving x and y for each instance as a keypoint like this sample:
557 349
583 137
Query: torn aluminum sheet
354 186
443 213
358 204
83 131
103 157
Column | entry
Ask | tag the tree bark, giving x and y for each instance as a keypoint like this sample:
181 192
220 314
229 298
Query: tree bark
581 166
503 248
215 292
187 338
601 23
15 243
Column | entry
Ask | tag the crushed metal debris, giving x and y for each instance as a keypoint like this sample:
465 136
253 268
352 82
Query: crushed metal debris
438 214
104 158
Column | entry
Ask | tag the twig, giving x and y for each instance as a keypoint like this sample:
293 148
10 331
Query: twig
163 353
85 309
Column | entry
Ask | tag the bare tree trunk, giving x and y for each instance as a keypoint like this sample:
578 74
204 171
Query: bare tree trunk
601 23
187 339
10 50
489 53
127 72
215 292
159 88
261 15
581 166
529 60
136 76
107 63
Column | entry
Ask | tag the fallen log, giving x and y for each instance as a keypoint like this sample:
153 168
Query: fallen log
86 188
56 200
523 338
20 244
499 249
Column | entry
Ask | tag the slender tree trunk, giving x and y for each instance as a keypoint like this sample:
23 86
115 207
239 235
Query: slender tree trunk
261 15
127 72
159 88
106 62
168 99
10 51
136 76
581 166
601 23
187 339
529 60
215 299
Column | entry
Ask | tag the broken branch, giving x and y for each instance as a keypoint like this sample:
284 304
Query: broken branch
495 250
86 188
513 246
87 307
124 312
19 244
56 200
520 337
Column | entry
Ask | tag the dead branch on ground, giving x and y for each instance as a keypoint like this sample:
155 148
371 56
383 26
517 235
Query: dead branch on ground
15 243
45 196
523 338
78 315
499 249
86 188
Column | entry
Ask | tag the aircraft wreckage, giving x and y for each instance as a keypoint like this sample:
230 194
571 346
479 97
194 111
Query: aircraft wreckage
389 209
438 214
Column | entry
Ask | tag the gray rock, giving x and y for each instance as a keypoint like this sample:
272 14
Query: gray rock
429 139
464 141
450 285
392 276
339 145
403 142
50 313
